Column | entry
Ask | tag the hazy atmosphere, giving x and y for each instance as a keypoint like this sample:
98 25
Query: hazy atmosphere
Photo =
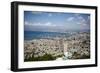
55 22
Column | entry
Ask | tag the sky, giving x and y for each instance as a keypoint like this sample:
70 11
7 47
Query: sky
55 21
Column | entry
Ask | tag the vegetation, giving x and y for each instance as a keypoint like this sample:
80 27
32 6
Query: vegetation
78 56
45 57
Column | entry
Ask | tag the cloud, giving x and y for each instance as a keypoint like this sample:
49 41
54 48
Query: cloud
70 19
77 18
46 24
43 24
49 14
26 23
81 20
84 24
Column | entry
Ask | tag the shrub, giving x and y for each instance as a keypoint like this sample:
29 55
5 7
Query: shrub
45 57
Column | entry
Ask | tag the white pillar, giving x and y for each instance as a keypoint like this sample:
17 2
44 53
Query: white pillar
65 48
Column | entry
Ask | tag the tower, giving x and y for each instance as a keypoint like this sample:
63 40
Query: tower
65 48
61 45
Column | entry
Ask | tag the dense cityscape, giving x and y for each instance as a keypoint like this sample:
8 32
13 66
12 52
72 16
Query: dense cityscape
76 46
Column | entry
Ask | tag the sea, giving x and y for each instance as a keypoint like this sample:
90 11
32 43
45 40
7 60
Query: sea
30 35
